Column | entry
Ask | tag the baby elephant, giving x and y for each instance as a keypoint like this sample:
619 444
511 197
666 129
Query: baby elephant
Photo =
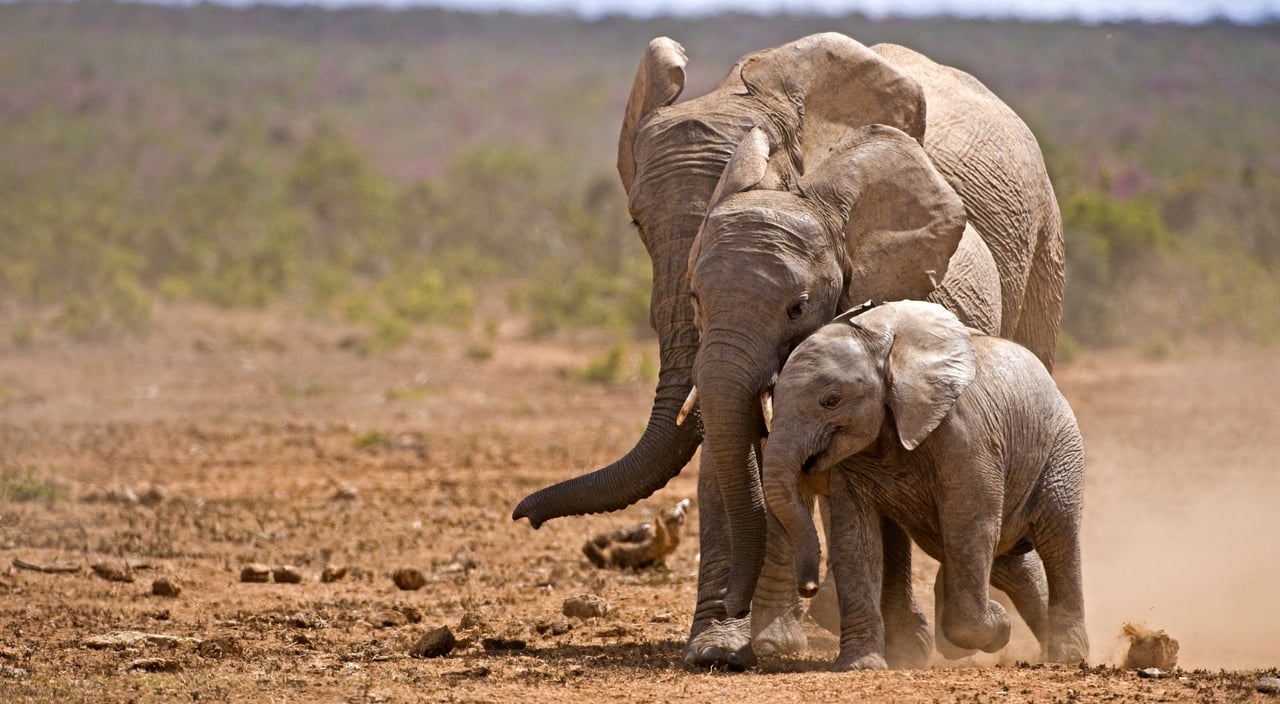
961 439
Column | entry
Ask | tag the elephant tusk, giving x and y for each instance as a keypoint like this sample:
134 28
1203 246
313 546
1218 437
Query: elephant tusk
766 405
688 406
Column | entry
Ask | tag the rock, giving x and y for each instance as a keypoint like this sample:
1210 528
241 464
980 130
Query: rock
472 621
640 546
303 619
155 665
1148 649
1269 685
1150 673
411 613
557 626
333 573
585 606
434 643
165 586
10 672
346 493
286 574
255 572
409 579
113 571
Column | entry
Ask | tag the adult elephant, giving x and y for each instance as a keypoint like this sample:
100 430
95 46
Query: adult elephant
804 96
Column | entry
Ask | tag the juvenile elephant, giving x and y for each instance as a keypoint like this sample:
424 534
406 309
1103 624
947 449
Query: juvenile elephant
806 96
961 438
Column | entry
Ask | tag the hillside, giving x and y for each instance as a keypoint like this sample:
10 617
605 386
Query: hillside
389 167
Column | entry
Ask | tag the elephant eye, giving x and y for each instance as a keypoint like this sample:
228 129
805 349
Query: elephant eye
798 307
831 400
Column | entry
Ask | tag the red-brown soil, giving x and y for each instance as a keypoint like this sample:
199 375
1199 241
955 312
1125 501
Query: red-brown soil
225 439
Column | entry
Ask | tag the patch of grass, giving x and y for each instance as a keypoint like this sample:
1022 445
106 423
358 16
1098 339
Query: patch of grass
617 366
371 440
21 485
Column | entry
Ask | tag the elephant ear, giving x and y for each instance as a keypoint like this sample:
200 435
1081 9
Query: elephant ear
930 363
827 84
659 81
900 218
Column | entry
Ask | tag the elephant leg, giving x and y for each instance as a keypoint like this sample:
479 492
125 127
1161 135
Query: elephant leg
824 607
776 608
970 527
908 639
1022 577
1057 538
857 558
715 641
945 647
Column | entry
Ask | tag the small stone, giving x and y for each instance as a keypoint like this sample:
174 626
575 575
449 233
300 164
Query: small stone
1150 673
113 571
1269 685
557 626
286 574
411 613
303 619
255 572
409 579
333 573
472 621
165 586
585 606
434 643
346 493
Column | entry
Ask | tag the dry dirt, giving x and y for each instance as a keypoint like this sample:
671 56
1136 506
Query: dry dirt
224 440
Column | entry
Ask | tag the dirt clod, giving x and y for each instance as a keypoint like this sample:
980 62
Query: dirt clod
286 574
1269 685
434 643
390 618
409 578
1149 649
1150 673
557 626
218 648
255 572
164 586
497 645
640 546
585 606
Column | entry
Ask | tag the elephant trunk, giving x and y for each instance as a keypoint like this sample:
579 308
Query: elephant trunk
730 408
782 466
662 450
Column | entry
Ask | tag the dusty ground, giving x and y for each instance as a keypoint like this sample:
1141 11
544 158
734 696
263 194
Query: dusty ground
227 439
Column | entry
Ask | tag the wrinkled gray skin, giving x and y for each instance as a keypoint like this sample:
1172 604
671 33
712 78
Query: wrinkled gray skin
806 96
960 438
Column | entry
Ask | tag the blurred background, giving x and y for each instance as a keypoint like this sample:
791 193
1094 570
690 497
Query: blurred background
397 166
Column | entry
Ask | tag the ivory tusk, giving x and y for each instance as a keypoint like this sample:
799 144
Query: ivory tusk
766 405
689 404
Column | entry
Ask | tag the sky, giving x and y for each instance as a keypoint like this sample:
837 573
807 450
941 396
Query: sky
1242 11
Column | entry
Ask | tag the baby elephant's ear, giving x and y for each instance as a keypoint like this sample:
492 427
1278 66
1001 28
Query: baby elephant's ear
931 362
746 168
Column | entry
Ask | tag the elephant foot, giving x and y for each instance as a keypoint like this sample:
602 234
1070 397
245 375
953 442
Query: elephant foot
868 661
721 645
988 633
949 650
1070 647
824 607
781 632
908 644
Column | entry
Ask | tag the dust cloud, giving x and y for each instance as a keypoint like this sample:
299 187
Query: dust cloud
1180 528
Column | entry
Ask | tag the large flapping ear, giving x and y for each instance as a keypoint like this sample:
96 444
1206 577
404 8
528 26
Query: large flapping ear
930 363
901 220
823 85
659 81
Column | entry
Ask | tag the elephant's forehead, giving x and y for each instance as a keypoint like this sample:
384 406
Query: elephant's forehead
766 215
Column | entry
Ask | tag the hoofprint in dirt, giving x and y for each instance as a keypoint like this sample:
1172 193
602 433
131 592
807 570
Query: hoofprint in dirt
226 440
